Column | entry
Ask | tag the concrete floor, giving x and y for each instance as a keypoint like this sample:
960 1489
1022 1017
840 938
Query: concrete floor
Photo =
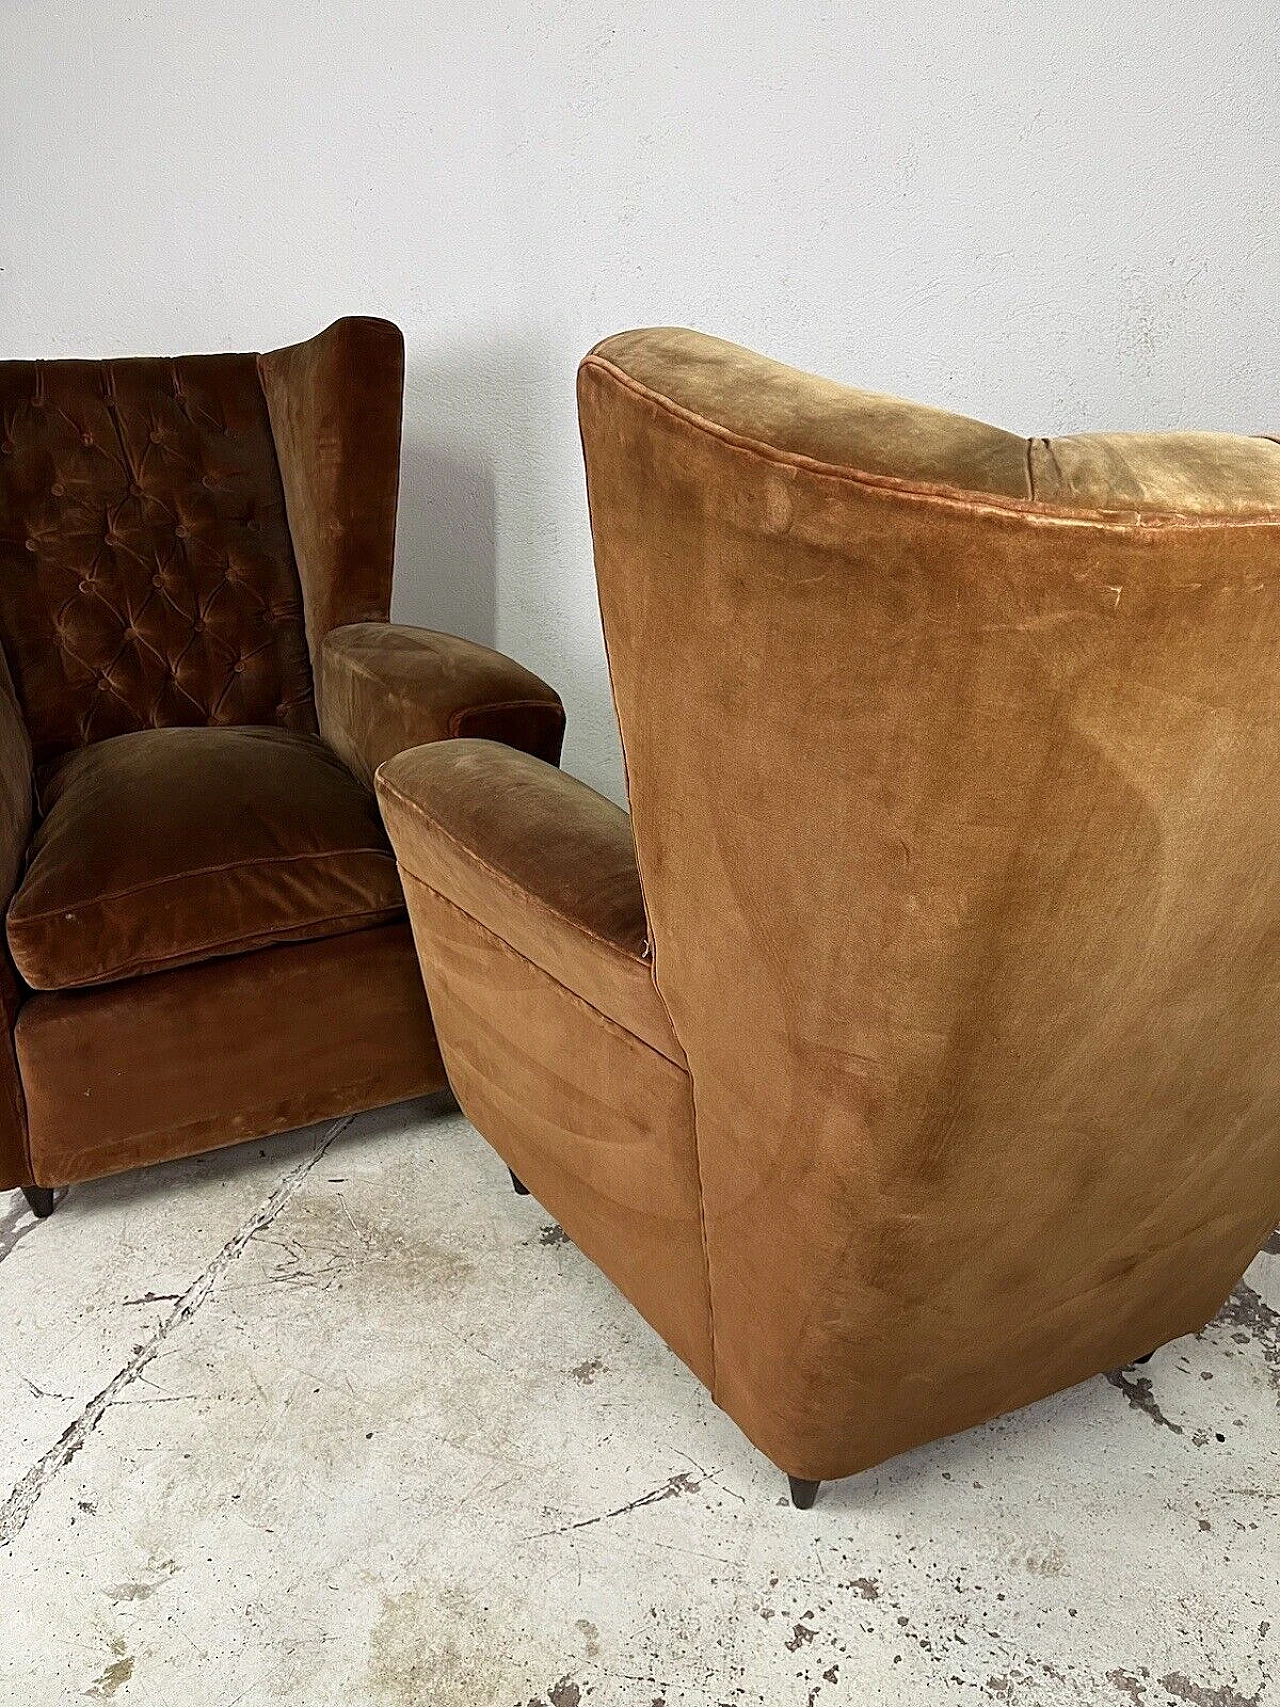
339 1419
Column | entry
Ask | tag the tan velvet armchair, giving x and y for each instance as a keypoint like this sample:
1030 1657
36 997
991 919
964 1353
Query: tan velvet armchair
206 938
919 1056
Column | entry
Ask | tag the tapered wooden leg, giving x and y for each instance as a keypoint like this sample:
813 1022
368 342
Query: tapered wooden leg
40 1197
803 1493
522 1190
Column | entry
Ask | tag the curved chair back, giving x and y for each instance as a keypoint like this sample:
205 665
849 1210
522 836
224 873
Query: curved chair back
952 760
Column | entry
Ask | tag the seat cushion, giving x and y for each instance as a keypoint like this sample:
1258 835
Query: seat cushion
169 846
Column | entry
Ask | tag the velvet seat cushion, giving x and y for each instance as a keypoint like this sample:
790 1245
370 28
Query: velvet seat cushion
164 847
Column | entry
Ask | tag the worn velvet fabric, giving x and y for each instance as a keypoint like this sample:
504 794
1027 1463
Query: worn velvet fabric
209 1055
384 687
175 845
539 860
15 828
177 539
147 577
949 759
584 1106
335 404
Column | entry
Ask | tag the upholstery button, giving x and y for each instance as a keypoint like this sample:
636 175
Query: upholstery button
237 666
57 489
6 449
86 586
208 481
135 491
197 627
157 580
37 402
32 546
155 436
113 539
252 526
86 438
103 684
182 533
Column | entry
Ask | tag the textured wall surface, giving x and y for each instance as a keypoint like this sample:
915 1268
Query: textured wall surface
1054 217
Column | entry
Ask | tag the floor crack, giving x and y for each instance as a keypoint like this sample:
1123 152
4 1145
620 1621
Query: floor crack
21 1500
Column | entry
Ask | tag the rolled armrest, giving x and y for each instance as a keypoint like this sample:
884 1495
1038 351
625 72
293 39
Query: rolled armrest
539 860
15 832
383 687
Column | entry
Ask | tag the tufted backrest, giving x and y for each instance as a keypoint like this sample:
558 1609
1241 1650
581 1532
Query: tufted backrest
146 572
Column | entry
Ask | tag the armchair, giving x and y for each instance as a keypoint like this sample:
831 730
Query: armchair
205 935
909 1052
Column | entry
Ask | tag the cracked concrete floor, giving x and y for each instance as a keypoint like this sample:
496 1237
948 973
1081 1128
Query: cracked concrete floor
339 1419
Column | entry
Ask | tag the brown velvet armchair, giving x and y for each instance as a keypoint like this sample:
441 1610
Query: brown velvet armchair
918 1058
206 938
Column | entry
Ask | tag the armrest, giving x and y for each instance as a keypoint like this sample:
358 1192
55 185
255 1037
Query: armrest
335 404
16 787
15 833
537 859
383 686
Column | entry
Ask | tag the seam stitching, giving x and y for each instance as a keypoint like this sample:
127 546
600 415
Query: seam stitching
21 919
575 995
504 879
224 949
944 497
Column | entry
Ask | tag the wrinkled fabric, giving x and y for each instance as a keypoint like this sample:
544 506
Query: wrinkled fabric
151 1068
176 845
949 760
386 686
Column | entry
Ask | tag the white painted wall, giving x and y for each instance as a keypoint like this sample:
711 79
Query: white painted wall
1055 216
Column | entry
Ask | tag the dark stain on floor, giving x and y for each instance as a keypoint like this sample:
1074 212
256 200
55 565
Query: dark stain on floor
1137 1389
1249 1312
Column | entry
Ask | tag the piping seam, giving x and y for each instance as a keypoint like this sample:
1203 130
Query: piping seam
945 497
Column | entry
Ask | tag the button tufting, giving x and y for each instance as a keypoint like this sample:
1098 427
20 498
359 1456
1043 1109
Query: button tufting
157 580
86 438
57 489
197 627
86 586
155 435
208 481
135 491
37 402
237 666
32 546
6 449
183 533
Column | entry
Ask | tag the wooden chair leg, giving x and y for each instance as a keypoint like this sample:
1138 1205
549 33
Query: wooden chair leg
522 1190
803 1493
41 1199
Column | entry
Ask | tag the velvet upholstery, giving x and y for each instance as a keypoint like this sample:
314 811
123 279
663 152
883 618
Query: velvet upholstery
170 846
16 795
949 761
209 895
384 687
209 1055
334 403
146 571
538 859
